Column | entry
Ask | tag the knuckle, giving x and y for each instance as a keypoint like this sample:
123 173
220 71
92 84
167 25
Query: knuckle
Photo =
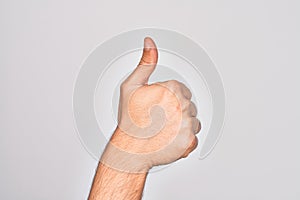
188 93
124 85
184 145
193 108
185 104
189 145
183 140
173 84
198 126
194 142
183 85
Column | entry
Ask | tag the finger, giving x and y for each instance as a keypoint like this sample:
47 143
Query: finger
196 125
185 90
191 148
147 64
193 109
175 87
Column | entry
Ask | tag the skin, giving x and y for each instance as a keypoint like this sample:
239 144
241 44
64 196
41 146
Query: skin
157 125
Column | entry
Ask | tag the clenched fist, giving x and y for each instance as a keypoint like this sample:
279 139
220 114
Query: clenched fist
156 124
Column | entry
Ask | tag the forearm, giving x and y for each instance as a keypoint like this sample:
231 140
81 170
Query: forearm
113 184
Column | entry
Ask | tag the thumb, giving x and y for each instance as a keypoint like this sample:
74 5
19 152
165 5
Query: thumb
146 65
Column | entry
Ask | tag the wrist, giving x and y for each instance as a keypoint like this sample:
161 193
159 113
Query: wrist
119 156
113 184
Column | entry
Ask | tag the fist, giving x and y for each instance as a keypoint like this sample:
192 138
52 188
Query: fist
156 123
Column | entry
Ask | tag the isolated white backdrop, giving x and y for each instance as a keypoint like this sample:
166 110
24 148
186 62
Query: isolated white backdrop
254 44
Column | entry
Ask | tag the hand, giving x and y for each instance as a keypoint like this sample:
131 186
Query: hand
156 124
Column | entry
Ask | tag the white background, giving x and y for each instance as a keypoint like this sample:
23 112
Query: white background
255 45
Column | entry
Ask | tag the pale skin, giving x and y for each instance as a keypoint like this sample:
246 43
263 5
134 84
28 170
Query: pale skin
157 126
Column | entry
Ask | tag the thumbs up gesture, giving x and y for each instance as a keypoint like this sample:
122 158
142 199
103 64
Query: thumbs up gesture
157 123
